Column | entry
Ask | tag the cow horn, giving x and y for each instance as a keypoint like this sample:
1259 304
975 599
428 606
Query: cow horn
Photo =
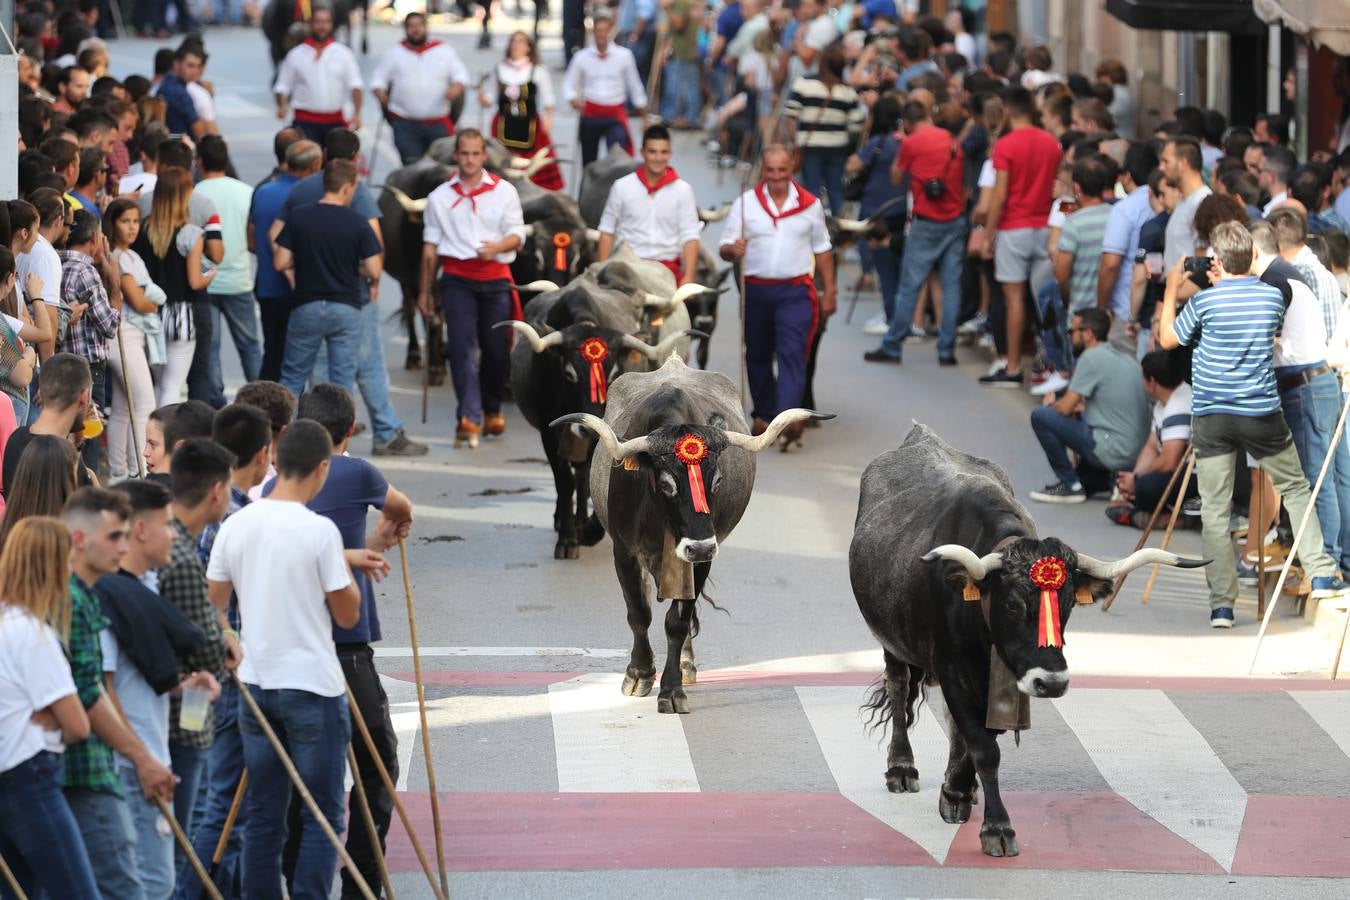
977 566
661 349
681 295
529 230
855 226
518 162
537 344
536 287
780 421
539 160
714 215
409 204
617 449
593 235
1109 571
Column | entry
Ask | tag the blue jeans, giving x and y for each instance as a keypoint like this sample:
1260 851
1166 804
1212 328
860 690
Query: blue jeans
1058 435
110 839
823 169
372 378
315 731
929 244
224 766
241 316
322 323
681 94
39 837
413 139
154 840
1055 330
189 765
1311 412
887 266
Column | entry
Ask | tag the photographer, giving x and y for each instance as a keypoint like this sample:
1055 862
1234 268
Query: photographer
1236 407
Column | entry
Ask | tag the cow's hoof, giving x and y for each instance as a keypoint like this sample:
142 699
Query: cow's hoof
998 840
436 377
953 807
902 780
675 703
637 685
413 360
566 550
688 672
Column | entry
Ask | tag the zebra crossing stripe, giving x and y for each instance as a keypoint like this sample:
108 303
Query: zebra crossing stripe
1130 736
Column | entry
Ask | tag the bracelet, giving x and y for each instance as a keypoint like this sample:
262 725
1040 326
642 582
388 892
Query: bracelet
230 632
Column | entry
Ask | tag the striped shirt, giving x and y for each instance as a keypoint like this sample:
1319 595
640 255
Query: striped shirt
826 117
1232 327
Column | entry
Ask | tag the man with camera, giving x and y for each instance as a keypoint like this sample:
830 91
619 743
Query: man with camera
932 158
1236 407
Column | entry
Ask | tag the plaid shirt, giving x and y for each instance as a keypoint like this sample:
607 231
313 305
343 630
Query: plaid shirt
183 583
89 764
238 500
81 283
1323 285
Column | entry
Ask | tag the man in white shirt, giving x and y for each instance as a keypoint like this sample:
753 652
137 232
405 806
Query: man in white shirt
653 211
314 78
471 230
415 82
777 231
276 547
1277 169
600 80
43 261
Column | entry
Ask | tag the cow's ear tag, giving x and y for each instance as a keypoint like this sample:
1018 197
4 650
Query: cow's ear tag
658 321
1082 596
634 357
970 593
630 464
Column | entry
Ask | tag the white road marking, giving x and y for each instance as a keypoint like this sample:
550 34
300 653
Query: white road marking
591 652
1151 755
1330 711
407 723
858 763
606 741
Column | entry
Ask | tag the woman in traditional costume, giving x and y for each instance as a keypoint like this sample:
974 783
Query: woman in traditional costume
525 105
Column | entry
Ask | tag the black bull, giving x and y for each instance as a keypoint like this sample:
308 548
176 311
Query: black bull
932 520
670 439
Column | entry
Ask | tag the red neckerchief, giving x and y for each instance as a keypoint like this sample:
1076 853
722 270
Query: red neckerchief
669 176
426 45
490 181
804 201
318 48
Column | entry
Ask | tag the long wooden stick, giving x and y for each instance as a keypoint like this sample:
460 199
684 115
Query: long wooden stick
1153 520
1260 543
299 783
422 714
217 856
11 880
1298 535
1171 526
369 821
208 885
360 722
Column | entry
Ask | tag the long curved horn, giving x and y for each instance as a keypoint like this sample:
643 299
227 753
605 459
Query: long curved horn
409 204
780 421
593 234
661 349
617 449
529 229
1109 571
537 344
977 566
681 295
714 215
855 226
518 162
537 287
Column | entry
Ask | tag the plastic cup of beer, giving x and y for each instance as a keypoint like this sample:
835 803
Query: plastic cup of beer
196 701
93 427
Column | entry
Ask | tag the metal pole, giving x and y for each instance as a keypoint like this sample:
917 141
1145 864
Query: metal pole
1273 74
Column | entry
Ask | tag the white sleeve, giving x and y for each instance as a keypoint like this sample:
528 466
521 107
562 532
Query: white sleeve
544 82
354 82
379 79
636 92
690 226
459 73
609 219
107 645
47 672
333 573
431 228
513 217
820 235
731 225
218 566
285 83
570 78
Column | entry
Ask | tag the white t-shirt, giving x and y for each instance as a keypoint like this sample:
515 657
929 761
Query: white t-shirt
1303 339
282 559
988 177
43 260
1172 420
34 674
146 711
202 101
138 181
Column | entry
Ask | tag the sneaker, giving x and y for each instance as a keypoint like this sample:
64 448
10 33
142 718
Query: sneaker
998 365
1191 507
400 445
876 326
1221 617
973 325
1327 586
1059 492
1052 384
1002 379
915 333
942 361
881 356
986 341
1246 573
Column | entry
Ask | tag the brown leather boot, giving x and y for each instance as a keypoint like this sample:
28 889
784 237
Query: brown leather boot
467 432
494 424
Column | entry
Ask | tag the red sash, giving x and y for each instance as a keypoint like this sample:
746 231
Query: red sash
804 201
801 280
320 118
476 269
675 268
669 176
605 111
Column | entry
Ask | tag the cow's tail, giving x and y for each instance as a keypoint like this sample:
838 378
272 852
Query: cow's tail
877 707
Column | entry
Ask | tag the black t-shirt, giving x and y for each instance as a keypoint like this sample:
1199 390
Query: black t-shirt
328 242
1278 274
1151 238
14 447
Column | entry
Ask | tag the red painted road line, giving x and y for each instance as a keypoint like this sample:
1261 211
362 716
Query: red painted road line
1307 836
535 831
735 678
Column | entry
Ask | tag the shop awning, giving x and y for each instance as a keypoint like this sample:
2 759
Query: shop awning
1325 23
1232 16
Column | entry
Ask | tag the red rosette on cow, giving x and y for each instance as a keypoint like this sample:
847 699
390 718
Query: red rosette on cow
594 351
1049 573
692 450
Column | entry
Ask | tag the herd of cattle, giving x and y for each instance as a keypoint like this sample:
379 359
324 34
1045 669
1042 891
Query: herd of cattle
946 565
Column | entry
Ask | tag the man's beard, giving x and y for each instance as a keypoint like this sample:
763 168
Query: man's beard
417 42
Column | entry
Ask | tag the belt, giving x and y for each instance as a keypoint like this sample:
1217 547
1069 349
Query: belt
1299 379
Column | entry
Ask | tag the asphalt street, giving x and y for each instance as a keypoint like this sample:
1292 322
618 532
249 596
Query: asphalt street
1162 772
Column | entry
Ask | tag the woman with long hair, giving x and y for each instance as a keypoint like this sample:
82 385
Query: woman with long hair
40 714
43 481
171 247
827 119
141 336
525 102
17 359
